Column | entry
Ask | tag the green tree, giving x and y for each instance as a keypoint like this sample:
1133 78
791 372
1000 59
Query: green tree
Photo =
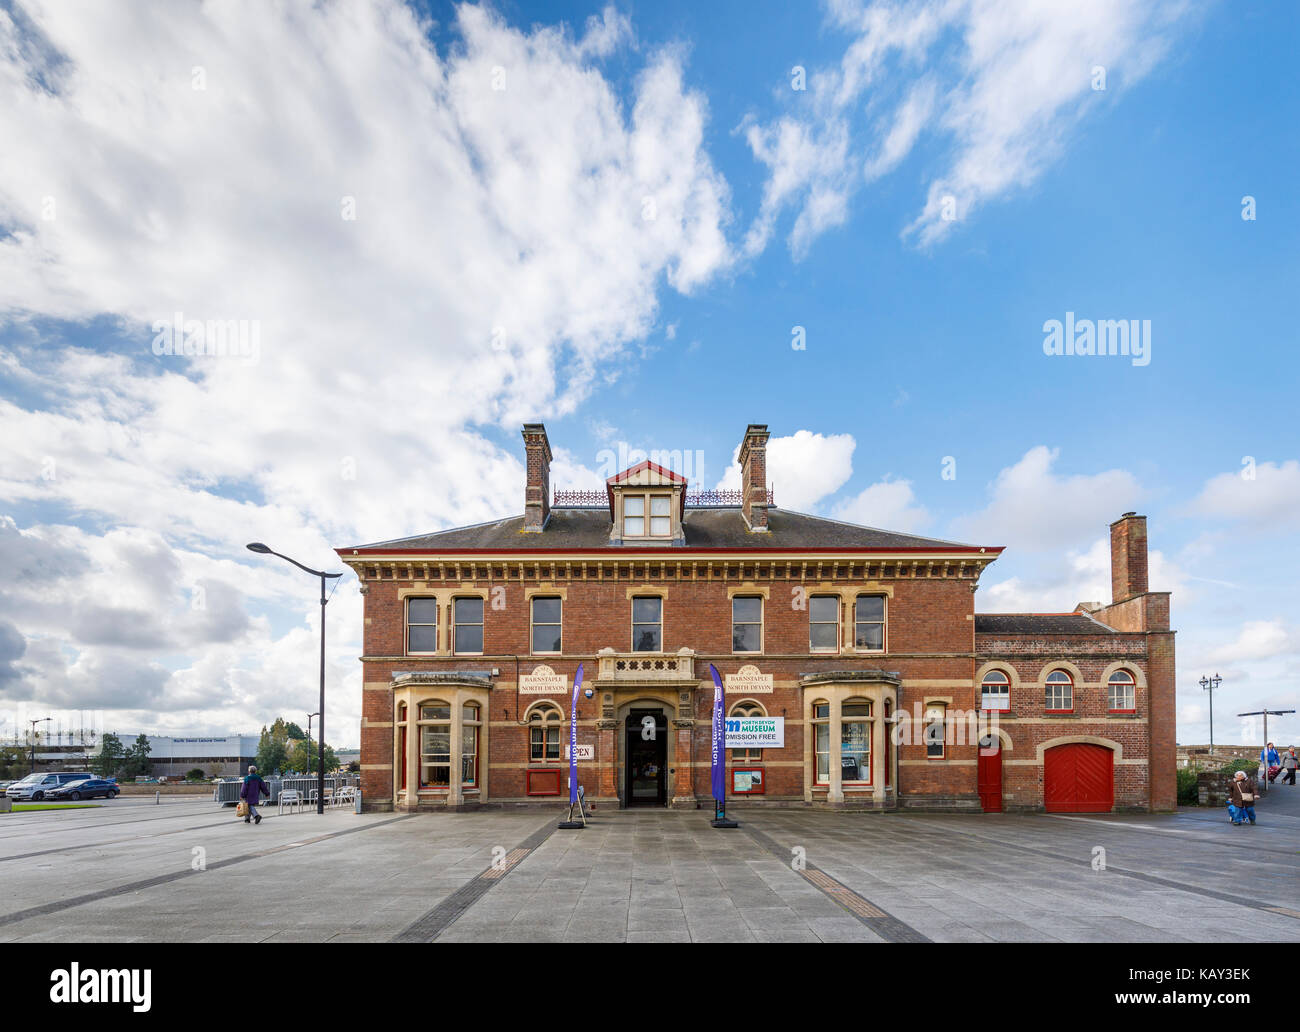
295 732
272 749
194 774
302 756
110 758
13 761
135 763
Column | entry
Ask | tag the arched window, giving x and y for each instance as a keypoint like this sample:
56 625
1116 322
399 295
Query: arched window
544 733
435 744
1058 693
855 741
995 691
747 709
821 715
469 733
1121 692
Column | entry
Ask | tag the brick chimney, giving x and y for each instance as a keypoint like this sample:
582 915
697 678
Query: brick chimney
1128 557
537 495
753 476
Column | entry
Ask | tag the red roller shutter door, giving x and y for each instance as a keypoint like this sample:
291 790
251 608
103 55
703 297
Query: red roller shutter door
1079 778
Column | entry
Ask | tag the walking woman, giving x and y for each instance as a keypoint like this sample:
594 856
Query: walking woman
254 788
1241 799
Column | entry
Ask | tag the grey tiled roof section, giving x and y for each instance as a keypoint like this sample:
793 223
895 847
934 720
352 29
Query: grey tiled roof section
1039 623
578 528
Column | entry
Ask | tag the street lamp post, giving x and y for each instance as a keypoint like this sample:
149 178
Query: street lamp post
309 716
1266 713
38 720
262 549
1209 684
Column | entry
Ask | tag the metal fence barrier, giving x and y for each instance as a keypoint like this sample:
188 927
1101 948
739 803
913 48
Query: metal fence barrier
226 792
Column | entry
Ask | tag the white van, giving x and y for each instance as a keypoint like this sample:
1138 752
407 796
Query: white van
34 786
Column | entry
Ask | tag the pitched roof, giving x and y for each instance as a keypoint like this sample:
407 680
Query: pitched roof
1039 623
582 529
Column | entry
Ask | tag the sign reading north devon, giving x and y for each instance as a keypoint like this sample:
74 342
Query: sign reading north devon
749 680
755 732
542 681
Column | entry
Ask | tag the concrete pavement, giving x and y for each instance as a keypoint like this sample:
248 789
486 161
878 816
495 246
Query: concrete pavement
188 871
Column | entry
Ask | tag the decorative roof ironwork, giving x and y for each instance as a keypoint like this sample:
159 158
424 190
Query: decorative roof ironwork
694 499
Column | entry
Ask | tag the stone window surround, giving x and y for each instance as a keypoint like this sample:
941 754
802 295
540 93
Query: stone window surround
848 597
457 695
445 597
835 693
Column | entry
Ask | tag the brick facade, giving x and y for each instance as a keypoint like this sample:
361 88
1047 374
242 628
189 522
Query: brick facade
934 655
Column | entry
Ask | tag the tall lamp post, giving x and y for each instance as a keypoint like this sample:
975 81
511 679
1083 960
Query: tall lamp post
309 716
262 549
1266 713
1209 684
38 720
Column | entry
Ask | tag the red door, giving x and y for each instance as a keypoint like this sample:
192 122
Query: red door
1078 778
989 777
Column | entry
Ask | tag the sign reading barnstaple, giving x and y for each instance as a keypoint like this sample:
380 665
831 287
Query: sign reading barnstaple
542 681
749 680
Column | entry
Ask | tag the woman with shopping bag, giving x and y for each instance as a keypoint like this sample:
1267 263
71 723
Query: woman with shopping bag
250 794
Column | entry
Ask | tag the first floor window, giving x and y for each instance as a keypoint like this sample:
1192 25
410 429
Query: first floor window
1059 694
435 745
822 742
546 624
855 740
869 623
647 624
824 623
747 709
746 624
1121 692
935 731
421 625
544 734
995 691
467 614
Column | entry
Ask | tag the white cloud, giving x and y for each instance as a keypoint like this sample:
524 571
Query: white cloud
889 505
498 264
1268 500
1033 507
802 469
1003 110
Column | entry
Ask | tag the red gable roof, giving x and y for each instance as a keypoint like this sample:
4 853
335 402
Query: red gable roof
618 478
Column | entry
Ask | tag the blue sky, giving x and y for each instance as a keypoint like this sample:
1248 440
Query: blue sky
188 173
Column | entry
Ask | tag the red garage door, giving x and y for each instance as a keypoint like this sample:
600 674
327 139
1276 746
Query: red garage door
1078 778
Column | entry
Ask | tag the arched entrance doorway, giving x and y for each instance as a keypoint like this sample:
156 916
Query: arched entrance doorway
646 757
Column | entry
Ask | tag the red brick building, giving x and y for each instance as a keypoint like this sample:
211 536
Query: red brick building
857 672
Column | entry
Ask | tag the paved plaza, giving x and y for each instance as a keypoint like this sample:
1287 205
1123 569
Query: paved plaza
188 871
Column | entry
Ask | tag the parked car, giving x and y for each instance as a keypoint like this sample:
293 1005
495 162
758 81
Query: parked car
36 787
86 788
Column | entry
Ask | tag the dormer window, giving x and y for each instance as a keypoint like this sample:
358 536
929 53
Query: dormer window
646 504
635 522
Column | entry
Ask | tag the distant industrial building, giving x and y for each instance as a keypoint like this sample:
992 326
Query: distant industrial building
215 756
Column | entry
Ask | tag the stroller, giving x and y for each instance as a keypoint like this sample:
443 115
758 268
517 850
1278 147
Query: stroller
1273 772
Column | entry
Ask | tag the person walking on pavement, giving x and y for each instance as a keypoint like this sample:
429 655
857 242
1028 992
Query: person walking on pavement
1241 799
254 788
1289 764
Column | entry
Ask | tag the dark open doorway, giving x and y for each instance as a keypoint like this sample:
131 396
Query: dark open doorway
647 758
